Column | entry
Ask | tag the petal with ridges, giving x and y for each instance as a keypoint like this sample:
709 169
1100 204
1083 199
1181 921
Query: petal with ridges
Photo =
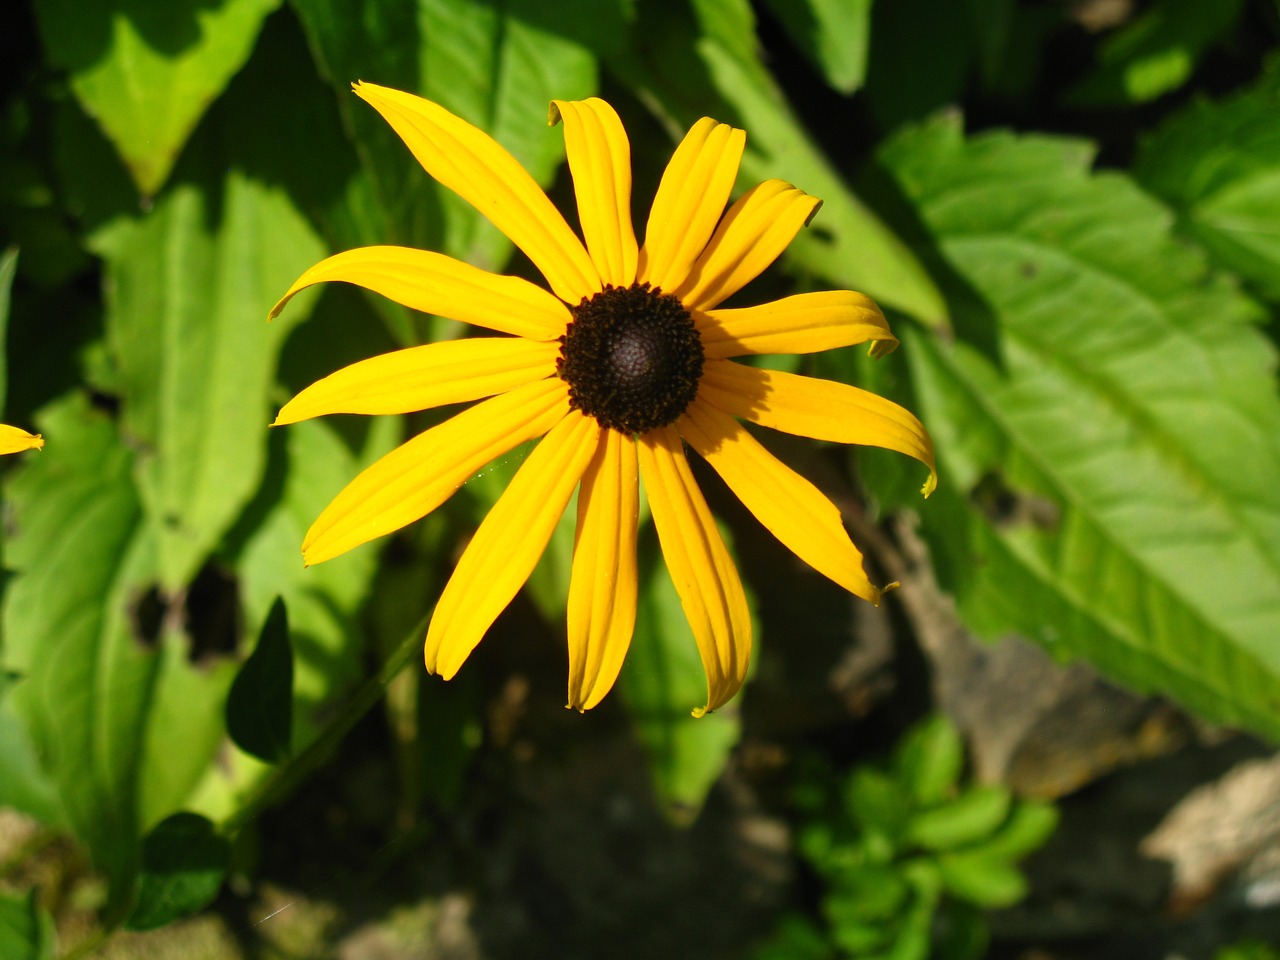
481 171
821 409
433 283
701 568
804 323
418 476
600 161
757 228
691 197
792 508
15 439
603 583
506 547
419 378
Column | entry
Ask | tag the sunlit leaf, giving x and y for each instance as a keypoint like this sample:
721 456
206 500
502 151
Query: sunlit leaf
76 554
1116 434
146 70
189 284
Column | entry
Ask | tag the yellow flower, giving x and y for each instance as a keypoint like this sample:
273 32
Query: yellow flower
622 364
15 439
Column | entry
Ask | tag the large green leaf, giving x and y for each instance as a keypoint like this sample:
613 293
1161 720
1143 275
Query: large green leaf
1218 165
1118 438
146 70
84 680
688 69
188 287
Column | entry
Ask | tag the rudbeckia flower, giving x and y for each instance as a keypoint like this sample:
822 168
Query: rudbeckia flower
15 439
621 364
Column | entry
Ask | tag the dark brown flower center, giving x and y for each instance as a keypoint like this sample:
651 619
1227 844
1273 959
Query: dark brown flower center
632 358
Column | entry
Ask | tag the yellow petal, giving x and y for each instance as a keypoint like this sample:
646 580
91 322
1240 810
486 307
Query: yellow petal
792 508
701 568
691 197
418 378
502 554
477 168
600 161
15 439
804 323
750 237
603 583
434 283
822 409
418 476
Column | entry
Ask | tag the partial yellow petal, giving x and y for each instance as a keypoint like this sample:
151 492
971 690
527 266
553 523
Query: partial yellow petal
792 508
506 547
691 197
804 323
752 234
419 378
434 283
603 583
15 439
822 409
600 161
418 476
700 565
476 167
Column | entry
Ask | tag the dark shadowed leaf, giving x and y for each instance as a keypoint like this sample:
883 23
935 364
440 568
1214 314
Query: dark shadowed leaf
260 704
184 862
1108 457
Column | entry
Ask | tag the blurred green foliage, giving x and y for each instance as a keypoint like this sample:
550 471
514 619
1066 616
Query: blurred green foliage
909 854
1090 343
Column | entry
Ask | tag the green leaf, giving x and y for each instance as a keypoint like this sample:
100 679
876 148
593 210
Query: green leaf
147 70
663 682
76 557
260 704
832 34
1155 53
1118 452
1218 165
1030 825
689 69
189 284
982 880
970 817
930 759
184 862
26 931
880 805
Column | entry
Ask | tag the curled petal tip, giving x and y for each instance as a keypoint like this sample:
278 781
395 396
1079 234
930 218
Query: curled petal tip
814 212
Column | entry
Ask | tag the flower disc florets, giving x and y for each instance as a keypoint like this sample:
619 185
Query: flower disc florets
632 358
